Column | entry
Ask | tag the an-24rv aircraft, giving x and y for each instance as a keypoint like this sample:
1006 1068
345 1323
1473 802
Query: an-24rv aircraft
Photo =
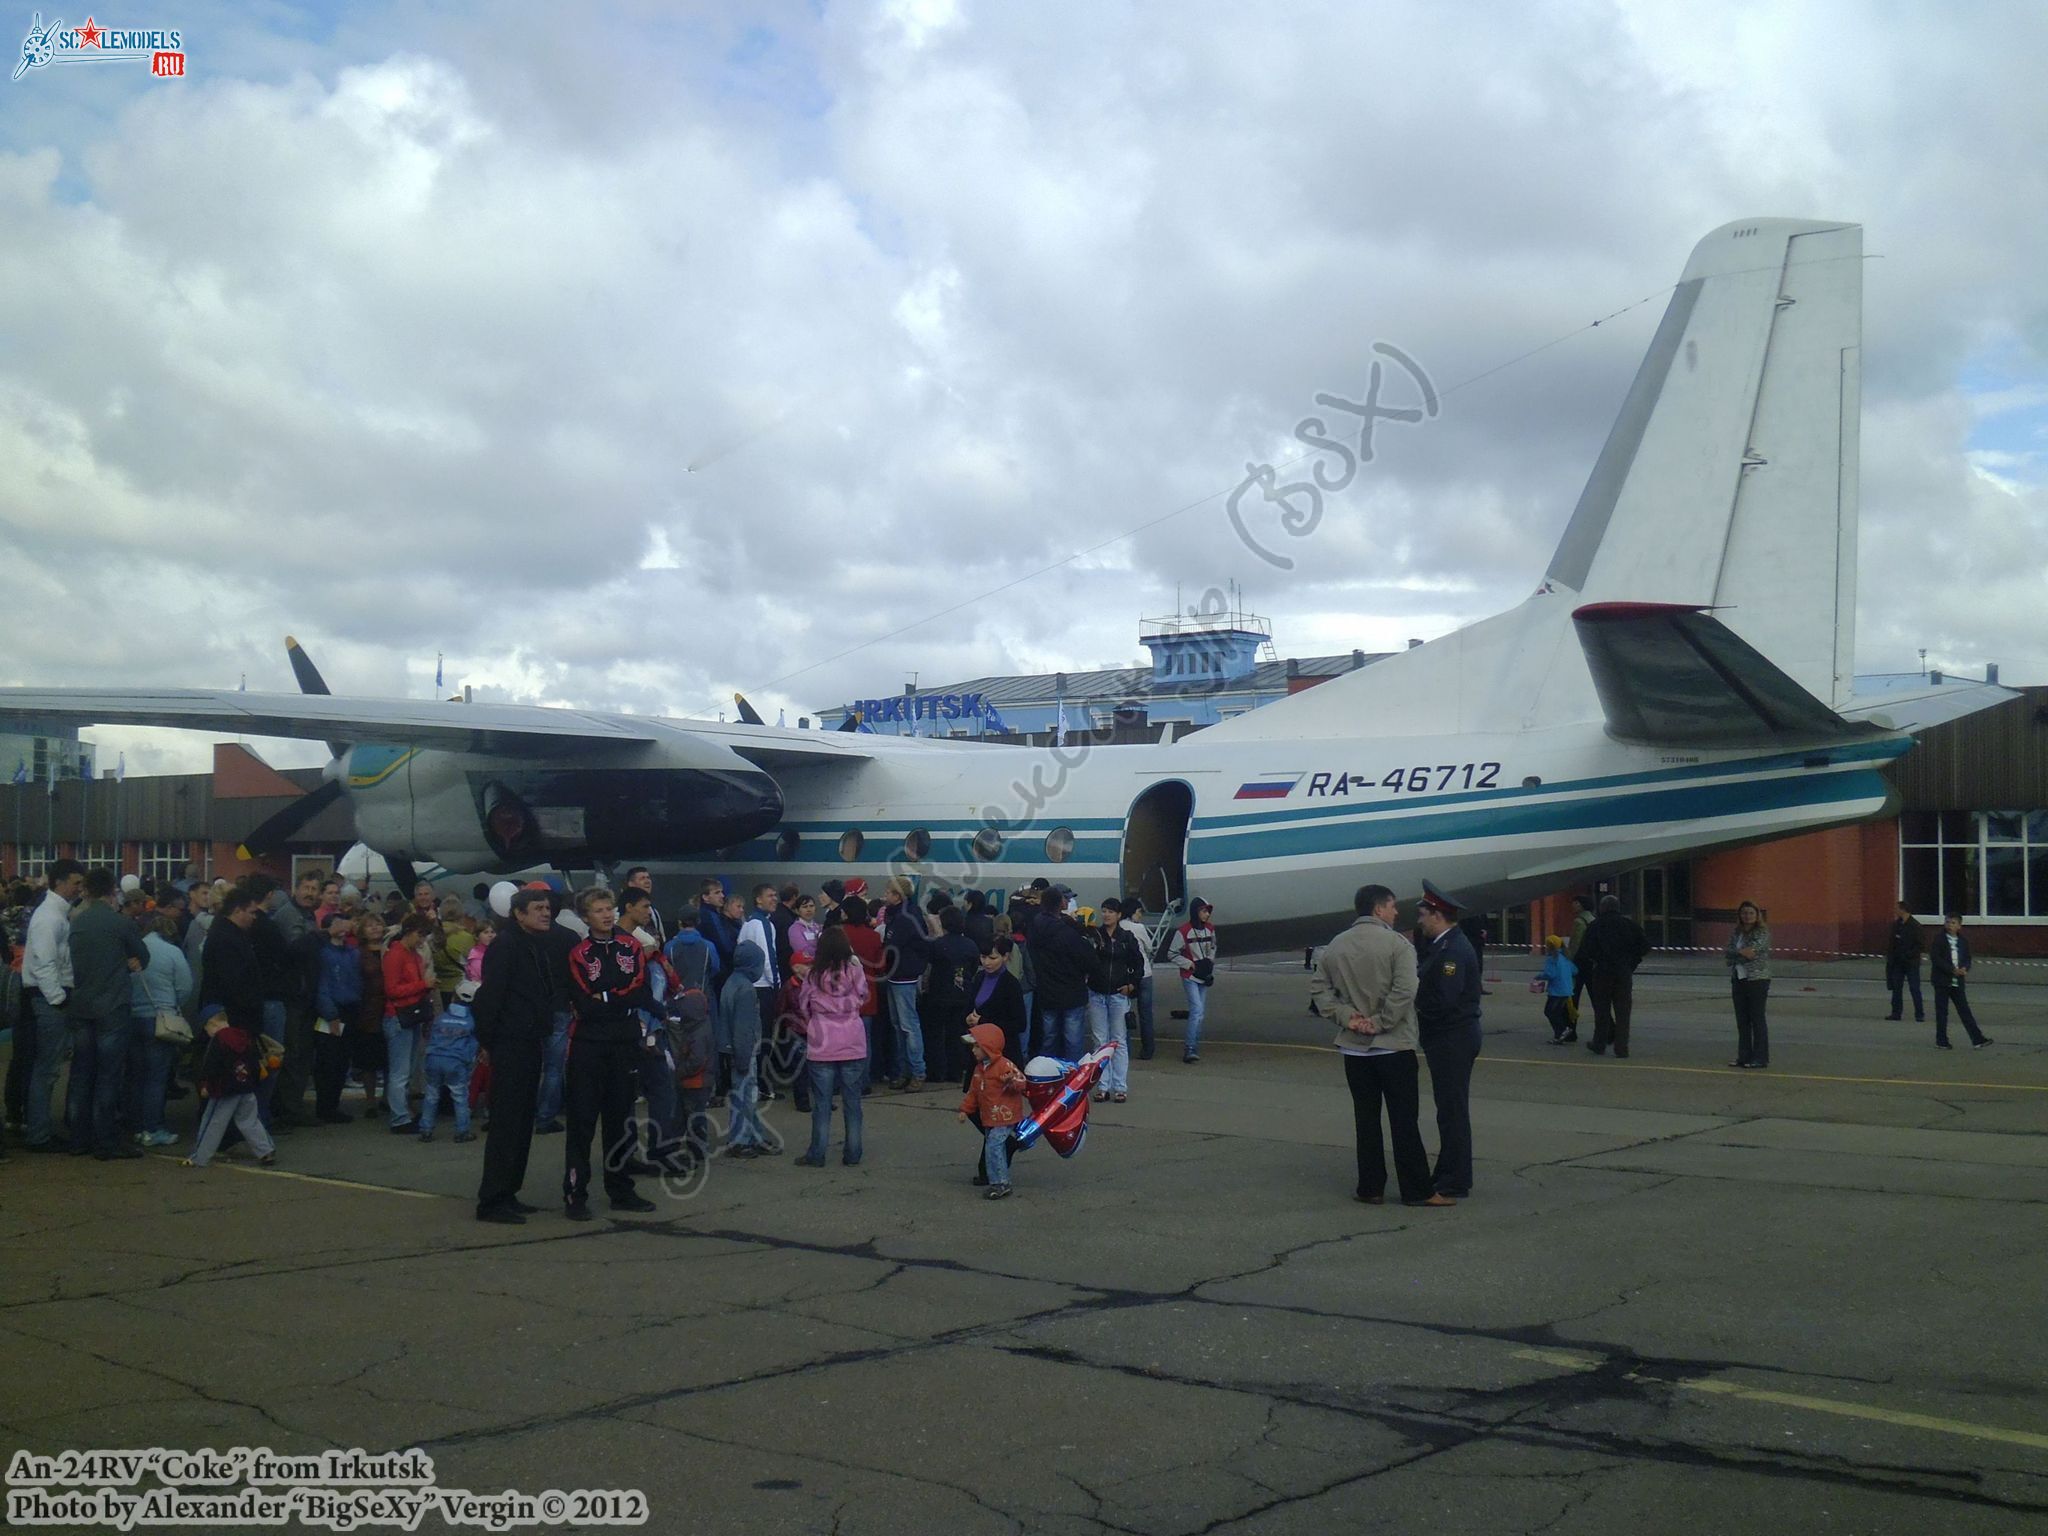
1680 680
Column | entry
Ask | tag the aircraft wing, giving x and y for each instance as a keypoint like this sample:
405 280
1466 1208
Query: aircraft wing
1672 673
506 729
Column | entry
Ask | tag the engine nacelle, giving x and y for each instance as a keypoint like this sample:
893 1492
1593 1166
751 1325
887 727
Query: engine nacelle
467 811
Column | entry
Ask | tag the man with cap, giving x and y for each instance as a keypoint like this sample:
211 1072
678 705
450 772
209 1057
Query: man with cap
1447 1017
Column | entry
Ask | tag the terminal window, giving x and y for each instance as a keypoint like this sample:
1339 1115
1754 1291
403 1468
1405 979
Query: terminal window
161 861
1979 863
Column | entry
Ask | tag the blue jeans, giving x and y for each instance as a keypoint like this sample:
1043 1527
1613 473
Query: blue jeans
451 1073
909 1031
92 1101
553 1069
53 1049
1030 1041
1062 1031
397 1069
849 1077
743 1126
1109 1023
1198 1004
1143 1004
149 1073
995 1150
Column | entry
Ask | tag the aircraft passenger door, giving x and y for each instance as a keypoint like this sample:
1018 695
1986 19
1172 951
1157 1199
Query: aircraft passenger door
1155 850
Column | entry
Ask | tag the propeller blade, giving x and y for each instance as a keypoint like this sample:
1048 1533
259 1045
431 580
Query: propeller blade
278 830
851 722
748 714
310 681
403 876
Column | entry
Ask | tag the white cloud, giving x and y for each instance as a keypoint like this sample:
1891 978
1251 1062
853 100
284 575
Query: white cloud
631 375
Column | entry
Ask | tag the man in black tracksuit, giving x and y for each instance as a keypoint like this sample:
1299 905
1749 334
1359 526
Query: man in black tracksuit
522 992
1447 1020
608 986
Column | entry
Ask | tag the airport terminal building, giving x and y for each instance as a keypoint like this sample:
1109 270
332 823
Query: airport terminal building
1970 830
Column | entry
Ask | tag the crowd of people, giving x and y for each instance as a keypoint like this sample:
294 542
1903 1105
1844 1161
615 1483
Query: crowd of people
552 1015
260 992
588 1009
565 1016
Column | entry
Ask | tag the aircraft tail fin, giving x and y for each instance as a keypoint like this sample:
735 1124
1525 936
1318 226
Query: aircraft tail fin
1729 478
1728 482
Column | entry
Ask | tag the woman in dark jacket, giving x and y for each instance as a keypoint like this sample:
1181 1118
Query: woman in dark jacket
996 997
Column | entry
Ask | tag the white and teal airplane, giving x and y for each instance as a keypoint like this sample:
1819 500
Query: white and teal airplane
1680 680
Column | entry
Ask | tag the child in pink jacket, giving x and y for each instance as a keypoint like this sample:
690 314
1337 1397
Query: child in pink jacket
836 1043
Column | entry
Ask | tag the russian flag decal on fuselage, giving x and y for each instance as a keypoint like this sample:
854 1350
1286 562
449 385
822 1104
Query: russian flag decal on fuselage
1274 786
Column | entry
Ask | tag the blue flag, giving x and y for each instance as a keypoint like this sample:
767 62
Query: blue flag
437 672
991 720
21 770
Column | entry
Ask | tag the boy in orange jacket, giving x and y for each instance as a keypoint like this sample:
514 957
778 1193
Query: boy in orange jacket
995 1098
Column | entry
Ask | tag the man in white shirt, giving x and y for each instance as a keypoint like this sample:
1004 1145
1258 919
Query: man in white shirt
760 927
46 984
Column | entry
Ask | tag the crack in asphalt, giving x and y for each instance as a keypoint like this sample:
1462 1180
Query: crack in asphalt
1443 1429
1622 1375
1577 1159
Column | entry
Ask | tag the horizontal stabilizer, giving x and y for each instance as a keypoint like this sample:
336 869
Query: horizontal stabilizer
1672 673
1929 704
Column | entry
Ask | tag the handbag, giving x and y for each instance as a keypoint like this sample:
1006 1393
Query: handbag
171 1027
1539 984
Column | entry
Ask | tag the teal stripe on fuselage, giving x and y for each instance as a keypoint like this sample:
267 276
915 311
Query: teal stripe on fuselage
1691 803
1876 751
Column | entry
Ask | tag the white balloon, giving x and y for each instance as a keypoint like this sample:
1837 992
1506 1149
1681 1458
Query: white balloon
501 897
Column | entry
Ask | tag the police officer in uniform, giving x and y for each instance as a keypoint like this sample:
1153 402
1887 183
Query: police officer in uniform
1447 1013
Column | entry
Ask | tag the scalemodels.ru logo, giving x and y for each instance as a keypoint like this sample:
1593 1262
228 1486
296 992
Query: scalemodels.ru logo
161 48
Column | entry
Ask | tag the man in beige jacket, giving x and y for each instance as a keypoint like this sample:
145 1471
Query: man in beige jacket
1365 981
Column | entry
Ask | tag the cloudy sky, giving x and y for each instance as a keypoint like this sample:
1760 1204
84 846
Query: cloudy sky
632 355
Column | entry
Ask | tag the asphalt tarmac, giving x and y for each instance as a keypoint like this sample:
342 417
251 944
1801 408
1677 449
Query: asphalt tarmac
1681 1298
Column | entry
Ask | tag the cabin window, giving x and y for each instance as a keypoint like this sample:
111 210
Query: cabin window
988 845
787 841
849 845
1059 844
917 842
